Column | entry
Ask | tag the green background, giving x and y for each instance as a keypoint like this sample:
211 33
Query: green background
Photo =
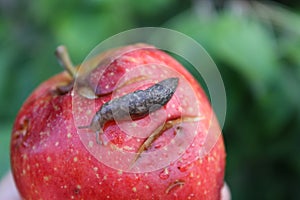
255 46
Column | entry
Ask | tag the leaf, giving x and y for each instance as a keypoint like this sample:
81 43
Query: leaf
244 44
285 19
80 33
4 153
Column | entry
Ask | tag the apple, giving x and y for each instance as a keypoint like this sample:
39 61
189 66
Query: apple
55 155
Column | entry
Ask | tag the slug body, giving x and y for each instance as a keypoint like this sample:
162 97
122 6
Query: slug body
134 105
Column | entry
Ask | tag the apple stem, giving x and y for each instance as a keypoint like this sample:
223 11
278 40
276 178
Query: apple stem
64 60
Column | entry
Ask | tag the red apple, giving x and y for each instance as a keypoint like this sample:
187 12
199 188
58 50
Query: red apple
52 158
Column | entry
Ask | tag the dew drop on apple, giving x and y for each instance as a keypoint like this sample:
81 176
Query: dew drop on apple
185 167
164 174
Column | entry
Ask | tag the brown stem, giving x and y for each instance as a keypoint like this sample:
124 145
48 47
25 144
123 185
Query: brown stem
64 60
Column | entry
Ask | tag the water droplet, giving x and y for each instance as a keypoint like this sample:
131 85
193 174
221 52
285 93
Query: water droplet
185 167
164 174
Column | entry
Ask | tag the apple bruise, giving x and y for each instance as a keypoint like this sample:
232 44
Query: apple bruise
177 183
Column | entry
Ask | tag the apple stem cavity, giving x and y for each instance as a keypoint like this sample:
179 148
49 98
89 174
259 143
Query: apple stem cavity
65 61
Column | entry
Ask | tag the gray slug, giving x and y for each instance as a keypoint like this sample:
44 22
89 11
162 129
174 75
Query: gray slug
134 105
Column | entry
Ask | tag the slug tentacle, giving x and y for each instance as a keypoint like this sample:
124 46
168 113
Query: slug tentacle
134 105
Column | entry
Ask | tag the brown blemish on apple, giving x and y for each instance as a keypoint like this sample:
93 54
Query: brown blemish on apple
177 183
160 130
21 134
22 131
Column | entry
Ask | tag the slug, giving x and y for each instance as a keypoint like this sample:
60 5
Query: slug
134 105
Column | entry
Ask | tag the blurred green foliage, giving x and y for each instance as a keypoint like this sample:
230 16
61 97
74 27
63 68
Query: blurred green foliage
256 47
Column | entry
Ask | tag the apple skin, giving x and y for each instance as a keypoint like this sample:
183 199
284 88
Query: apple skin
49 160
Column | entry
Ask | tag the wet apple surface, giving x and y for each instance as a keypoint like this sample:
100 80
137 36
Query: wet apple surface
154 157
